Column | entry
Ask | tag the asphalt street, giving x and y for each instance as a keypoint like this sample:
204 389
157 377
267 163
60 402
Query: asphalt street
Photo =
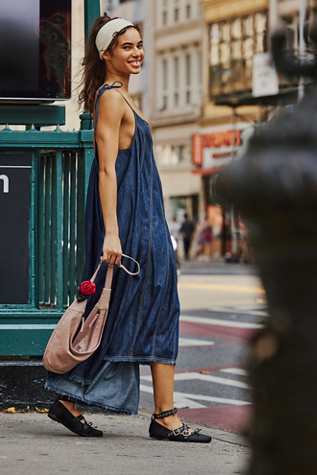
221 308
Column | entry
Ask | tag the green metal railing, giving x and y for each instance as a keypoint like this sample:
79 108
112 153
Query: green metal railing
60 170
60 226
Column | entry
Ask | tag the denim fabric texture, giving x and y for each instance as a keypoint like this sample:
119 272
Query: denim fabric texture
143 317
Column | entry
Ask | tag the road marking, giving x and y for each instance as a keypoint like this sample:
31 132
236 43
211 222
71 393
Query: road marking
241 310
190 376
192 342
231 288
223 323
239 371
187 400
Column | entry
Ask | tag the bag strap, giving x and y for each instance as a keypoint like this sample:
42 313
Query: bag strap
126 270
110 271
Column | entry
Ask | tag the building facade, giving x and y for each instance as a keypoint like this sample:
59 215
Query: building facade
234 33
240 90
176 89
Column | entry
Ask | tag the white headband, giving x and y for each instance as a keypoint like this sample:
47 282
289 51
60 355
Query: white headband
105 34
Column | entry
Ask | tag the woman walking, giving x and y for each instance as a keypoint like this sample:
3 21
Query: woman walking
124 213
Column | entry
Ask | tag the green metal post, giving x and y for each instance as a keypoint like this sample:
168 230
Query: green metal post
92 11
59 228
32 236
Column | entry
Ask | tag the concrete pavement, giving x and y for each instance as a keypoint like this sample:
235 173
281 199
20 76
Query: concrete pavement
32 444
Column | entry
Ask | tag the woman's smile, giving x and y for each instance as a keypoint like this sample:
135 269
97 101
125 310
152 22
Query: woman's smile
135 62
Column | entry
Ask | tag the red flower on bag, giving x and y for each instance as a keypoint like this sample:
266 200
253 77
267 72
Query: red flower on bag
87 287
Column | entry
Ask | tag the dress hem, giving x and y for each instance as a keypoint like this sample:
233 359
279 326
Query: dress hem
144 360
89 403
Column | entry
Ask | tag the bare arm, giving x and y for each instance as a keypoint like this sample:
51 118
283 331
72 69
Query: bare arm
111 110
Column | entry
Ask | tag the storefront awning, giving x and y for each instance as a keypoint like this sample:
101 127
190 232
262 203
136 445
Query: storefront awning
287 95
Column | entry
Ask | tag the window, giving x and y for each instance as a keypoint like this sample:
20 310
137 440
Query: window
164 13
188 82
176 81
188 11
291 34
176 11
171 155
164 83
233 43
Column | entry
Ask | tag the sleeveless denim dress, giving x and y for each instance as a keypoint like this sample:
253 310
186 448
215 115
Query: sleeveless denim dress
142 323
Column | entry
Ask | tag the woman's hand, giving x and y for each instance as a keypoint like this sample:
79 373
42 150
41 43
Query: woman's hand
112 251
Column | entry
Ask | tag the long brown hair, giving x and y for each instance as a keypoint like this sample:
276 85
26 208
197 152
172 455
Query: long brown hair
94 68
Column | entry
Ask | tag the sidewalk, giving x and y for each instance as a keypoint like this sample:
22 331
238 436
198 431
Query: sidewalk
32 444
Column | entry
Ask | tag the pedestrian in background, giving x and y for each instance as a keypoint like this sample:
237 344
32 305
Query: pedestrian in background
206 237
174 228
186 231
124 211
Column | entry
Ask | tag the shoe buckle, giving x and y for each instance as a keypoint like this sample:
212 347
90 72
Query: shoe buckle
176 432
186 433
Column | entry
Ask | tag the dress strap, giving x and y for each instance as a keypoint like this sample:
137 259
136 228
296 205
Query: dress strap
127 101
101 90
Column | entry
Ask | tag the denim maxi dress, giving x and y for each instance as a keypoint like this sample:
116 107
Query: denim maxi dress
142 323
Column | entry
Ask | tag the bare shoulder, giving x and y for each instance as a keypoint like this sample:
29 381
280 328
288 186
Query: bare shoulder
111 105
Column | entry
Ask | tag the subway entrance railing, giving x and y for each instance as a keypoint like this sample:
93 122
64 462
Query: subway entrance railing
43 183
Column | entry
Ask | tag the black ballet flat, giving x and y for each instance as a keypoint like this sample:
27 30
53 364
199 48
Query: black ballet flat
182 434
59 413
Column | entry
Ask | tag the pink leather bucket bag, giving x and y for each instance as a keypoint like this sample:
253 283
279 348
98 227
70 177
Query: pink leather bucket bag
75 338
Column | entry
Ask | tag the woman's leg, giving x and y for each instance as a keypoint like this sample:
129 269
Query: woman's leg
163 386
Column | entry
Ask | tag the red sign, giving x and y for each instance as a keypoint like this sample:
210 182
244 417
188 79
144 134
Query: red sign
197 149
223 138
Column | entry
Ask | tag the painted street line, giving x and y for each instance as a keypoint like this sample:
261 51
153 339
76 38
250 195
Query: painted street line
192 342
231 288
190 376
241 311
223 323
187 400
239 371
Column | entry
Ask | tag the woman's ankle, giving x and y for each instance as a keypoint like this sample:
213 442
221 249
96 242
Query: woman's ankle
70 406
172 422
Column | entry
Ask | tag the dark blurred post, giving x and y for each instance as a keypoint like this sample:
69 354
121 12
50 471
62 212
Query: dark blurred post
275 188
